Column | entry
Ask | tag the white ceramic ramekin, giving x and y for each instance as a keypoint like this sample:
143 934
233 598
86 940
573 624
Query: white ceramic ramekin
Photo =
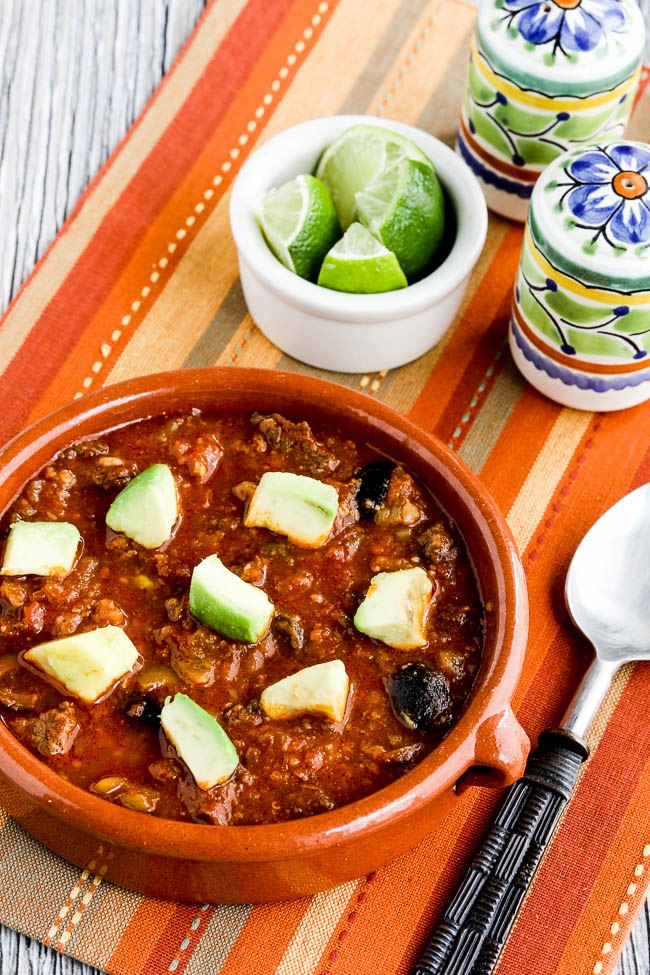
333 329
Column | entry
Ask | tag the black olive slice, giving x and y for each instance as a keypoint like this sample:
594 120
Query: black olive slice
374 479
420 697
142 708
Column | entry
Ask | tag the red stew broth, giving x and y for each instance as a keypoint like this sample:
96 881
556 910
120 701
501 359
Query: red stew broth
288 768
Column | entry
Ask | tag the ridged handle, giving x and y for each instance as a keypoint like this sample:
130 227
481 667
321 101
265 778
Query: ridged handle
475 926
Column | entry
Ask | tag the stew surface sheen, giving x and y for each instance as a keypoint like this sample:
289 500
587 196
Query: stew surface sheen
288 768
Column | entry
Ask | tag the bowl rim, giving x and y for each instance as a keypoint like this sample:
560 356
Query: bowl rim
277 841
459 182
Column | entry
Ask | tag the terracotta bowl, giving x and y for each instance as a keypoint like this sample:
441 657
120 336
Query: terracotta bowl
193 862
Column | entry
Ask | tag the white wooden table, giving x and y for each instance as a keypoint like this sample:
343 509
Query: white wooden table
74 74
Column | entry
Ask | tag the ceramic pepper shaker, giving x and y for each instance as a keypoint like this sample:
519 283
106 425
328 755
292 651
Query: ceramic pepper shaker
580 327
545 75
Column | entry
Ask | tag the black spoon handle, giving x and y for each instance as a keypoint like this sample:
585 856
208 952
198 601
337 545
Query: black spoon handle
476 924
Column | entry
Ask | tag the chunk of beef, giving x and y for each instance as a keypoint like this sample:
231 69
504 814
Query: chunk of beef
17 700
288 629
402 504
199 457
296 439
13 593
108 613
244 491
253 572
54 731
112 473
438 548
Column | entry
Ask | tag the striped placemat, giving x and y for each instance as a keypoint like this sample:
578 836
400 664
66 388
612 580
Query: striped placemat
143 277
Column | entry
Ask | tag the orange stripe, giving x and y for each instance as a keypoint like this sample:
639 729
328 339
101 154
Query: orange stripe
578 851
516 449
495 285
477 379
270 925
138 939
166 944
619 889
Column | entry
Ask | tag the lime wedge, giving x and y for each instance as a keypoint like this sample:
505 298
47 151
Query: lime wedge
404 207
361 264
300 224
356 158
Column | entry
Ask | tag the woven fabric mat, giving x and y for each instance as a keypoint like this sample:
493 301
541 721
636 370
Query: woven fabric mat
144 278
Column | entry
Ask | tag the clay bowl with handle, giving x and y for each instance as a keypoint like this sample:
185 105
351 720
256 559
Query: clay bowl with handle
195 862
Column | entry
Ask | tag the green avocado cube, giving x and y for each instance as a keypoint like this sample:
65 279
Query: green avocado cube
395 608
88 664
147 508
40 548
294 505
227 604
199 740
320 689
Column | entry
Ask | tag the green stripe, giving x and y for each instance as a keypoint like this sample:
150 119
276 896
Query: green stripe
492 416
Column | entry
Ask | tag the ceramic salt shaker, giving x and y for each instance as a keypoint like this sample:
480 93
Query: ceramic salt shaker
580 326
545 75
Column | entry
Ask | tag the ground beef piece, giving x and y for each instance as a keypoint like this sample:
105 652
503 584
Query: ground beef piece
193 655
403 502
177 607
438 548
307 453
244 491
90 448
54 731
16 700
288 629
13 593
108 613
253 572
348 512
164 770
200 457
112 473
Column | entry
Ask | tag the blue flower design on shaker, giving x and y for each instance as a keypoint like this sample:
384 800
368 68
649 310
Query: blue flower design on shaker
573 26
609 191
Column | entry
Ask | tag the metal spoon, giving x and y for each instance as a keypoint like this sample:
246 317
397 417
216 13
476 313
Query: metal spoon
607 593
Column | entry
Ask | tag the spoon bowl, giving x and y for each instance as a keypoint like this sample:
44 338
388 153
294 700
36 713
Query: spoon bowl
608 584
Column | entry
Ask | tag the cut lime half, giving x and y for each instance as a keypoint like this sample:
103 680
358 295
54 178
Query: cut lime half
358 156
300 224
360 263
404 207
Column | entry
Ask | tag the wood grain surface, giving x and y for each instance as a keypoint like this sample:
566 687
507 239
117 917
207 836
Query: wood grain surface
74 74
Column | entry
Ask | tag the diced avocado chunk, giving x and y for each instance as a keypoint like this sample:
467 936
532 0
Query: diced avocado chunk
227 604
395 608
299 507
86 664
199 740
40 548
147 508
321 689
